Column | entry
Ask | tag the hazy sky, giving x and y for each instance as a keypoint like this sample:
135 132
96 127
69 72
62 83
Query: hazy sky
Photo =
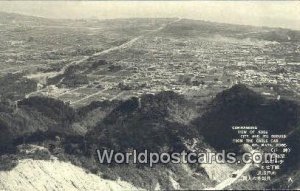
267 13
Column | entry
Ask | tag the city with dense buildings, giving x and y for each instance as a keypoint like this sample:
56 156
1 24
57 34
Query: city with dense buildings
161 55
164 84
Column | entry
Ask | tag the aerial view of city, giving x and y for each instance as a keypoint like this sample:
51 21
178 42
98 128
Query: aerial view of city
70 86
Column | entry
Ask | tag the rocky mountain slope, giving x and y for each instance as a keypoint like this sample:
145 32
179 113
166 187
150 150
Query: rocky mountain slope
240 106
165 122
56 175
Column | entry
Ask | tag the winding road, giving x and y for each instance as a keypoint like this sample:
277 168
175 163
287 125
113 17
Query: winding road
229 181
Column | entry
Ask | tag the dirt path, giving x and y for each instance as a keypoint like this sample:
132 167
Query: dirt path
229 181
232 180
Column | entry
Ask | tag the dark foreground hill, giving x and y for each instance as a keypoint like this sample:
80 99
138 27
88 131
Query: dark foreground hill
240 106
165 122
152 122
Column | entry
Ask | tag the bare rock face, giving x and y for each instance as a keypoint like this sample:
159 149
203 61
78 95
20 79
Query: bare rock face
55 175
217 172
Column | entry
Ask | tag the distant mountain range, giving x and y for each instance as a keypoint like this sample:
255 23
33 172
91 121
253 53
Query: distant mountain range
184 27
